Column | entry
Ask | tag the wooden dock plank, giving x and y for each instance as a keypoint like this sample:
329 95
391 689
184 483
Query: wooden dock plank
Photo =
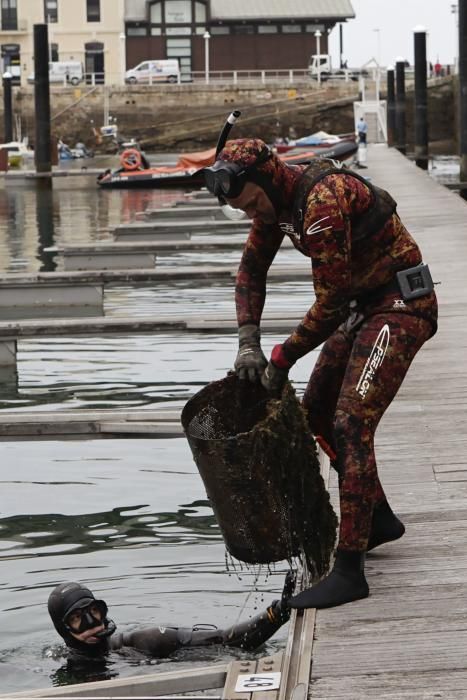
407 640
213 273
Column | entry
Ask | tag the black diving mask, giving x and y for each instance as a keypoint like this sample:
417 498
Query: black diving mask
84 617
227 180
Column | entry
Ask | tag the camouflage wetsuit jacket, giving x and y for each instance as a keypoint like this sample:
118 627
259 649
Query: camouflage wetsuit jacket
368 347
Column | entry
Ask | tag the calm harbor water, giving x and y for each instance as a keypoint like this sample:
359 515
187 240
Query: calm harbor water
67 511
127 517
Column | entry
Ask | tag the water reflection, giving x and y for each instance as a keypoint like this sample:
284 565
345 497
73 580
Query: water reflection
34 216
51 534
45 223
128 518
86 671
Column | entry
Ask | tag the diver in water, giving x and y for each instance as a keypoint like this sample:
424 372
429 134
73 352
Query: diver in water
83 623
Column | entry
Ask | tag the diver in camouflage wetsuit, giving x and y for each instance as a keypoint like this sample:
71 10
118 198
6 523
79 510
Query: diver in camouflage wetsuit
371 331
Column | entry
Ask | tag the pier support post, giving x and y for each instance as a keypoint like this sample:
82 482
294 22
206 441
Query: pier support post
7 108
462 10
42 146
8 369
400 106
45 223
391 106
421 99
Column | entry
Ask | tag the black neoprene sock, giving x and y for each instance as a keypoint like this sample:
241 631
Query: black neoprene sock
345 583
385 526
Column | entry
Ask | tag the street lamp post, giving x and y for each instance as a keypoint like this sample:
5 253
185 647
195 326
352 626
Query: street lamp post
122 38
318 52
206 37
378 45
455 12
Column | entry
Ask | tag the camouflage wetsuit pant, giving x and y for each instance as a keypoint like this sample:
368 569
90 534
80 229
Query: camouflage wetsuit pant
357 375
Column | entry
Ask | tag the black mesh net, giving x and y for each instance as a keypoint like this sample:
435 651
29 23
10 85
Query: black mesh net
259 465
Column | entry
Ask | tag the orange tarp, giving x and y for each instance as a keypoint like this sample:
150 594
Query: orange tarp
196 160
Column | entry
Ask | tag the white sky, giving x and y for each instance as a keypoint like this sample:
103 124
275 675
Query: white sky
395 20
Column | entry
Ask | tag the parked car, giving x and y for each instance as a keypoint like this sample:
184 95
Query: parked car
160 71
63 72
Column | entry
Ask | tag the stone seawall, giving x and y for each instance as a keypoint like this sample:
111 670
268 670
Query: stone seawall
167 117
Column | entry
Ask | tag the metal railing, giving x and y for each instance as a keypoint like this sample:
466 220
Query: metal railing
264 77
232 77
285 77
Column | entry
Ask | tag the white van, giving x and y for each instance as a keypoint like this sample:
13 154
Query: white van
63 72
161 71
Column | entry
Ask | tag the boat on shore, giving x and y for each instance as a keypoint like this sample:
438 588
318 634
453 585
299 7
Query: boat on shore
342 151
136 171
318 140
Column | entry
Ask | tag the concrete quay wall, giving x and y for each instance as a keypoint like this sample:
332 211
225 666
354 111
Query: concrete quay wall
184 117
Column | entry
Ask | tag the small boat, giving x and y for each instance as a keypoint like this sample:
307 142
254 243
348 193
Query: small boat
318 140
136 171
343 151
18 151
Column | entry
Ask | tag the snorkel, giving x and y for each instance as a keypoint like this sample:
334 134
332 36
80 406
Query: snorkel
228 211
226 129
242 161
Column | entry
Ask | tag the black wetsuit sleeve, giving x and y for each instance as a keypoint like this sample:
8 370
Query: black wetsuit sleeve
253 633
245 635
159 642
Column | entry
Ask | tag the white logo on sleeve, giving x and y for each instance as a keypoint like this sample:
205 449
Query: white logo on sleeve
375 359
289 230
317 228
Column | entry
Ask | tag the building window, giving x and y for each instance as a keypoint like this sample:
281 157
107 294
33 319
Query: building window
312 28
268 29
93 9
291 28
54 52
178 17
244 29
219 30
177 11
94 63
200 12
51 11
9 15
156 13
136 30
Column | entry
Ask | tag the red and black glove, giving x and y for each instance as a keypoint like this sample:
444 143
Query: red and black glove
276 373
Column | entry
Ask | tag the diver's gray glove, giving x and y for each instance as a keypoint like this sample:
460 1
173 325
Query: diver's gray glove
250 361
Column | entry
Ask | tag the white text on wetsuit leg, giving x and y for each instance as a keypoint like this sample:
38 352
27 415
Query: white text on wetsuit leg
376 357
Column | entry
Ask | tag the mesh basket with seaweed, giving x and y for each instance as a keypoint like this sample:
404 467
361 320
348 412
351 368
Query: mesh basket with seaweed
259 465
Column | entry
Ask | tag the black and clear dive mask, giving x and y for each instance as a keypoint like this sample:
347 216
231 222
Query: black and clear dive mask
224 179
94 614
227 180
